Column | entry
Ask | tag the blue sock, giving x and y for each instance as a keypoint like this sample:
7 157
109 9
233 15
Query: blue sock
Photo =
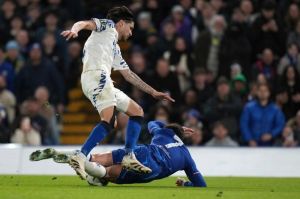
132 132
96 136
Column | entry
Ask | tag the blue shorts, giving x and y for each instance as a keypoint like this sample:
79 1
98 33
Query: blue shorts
143 154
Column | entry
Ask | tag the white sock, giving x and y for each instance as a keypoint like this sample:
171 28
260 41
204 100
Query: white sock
95 169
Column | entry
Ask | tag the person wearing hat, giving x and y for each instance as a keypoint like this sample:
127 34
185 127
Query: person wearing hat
13 56
239 86
224 105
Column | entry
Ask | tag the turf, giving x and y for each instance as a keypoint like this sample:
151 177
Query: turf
52 187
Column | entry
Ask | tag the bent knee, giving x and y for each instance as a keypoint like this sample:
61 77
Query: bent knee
140 112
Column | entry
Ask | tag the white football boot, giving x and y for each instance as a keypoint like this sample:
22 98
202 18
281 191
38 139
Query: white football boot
130 162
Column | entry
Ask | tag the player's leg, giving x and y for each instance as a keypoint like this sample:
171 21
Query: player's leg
100 131
96 136
113 173
104 159
58 156
135 113
101 94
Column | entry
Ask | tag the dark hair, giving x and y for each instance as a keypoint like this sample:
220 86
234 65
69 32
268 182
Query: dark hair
269 5
266 85
219 123
120 13
178 130
284 79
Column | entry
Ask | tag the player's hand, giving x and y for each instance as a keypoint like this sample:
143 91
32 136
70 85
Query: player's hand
188 131
180 182
68 34
252 143
162 96
266 137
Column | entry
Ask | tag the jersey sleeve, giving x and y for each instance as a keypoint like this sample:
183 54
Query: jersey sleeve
155 126
195 177
102 24
119 63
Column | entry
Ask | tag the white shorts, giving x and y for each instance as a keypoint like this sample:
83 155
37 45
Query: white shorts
99 88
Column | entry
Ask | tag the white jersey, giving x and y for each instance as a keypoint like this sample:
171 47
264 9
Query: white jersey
101 50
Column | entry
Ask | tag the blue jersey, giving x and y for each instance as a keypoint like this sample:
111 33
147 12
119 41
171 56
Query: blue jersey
165 155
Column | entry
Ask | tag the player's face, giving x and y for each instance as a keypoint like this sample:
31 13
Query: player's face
125 30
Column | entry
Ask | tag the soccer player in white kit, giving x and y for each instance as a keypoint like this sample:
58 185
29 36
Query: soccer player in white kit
101 54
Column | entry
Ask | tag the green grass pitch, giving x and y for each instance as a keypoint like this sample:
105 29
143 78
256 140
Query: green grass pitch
54 187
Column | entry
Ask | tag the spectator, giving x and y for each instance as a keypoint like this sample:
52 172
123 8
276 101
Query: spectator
189 100
221 137
31 108
8 100
224 106
291 135
39 72
207 47
292 17
16 25
291 58
22 39
144 27
4 127
202 15
196 139
247 9
181 63
33 18
74 65
8 10
182 24
165 80
168 36
48 112
7 71
13 55
192 118
281 98
266 66
261 121
51 52
267 31
203 89
290 82
157 11
26 134
240 87
230 49
252 91
51 26
288 138
294 36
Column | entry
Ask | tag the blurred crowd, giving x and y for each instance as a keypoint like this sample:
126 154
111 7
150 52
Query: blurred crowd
232 66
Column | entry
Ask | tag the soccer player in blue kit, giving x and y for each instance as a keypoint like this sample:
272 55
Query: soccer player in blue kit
165 155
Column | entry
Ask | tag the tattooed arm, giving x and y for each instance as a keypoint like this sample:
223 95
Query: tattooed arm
135 80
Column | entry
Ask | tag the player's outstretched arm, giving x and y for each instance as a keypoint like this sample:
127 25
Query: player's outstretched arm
135 80
78 26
